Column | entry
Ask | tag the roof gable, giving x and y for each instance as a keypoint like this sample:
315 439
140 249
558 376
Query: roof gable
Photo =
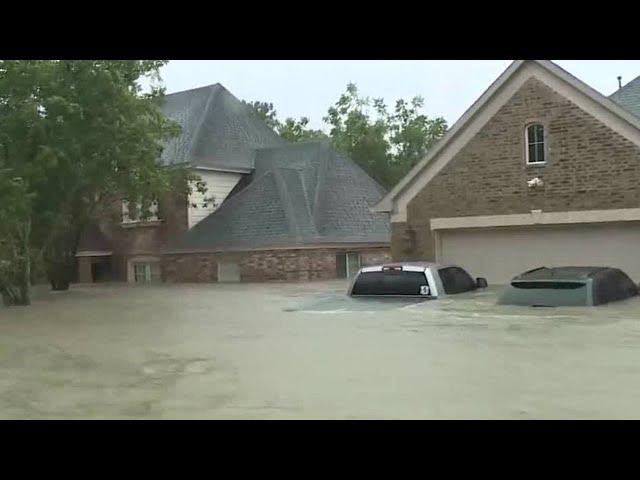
487 106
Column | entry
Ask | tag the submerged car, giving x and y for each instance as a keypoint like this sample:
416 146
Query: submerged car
419 279
568 286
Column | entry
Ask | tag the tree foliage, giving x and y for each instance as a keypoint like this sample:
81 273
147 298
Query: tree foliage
386 144
15 272
77 133
291 129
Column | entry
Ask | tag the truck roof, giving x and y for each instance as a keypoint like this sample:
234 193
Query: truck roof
422 264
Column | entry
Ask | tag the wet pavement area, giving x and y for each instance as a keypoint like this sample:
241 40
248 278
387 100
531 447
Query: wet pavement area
270 351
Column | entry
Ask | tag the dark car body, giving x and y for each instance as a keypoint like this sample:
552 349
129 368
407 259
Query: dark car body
568 286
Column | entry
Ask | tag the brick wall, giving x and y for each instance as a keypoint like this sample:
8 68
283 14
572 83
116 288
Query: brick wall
265 265
589 166
144 238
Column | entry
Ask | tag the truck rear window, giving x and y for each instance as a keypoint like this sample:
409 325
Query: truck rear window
391 282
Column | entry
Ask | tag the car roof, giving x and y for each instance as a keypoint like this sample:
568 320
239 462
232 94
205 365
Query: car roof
560 273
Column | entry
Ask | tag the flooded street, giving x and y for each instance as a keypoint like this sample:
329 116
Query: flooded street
305 351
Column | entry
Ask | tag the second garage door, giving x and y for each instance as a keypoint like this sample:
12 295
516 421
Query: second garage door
501 253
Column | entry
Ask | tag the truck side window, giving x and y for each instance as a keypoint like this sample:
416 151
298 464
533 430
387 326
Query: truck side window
456 280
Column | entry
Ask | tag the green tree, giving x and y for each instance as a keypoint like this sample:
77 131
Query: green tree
385 144
266 112
15 258
79 134
412 134
297 131
291 129
359 128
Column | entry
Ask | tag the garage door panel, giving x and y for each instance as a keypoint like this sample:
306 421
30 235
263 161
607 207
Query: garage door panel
501 253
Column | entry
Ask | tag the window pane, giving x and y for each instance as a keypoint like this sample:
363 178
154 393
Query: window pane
535 143
140 272
540 152
155 273
455 280
539 133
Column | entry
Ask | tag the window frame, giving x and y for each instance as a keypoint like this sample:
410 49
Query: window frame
153 210
347 271
544 143
144 270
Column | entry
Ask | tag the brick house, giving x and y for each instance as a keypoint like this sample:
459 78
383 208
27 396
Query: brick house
540 170
272 210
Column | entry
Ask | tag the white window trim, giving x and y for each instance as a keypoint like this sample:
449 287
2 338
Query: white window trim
349 273
131 276
526 142
152 219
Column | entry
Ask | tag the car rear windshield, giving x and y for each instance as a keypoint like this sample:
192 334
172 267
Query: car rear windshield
545 294
393 282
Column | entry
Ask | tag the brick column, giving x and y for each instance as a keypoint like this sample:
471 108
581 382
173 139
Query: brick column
84 270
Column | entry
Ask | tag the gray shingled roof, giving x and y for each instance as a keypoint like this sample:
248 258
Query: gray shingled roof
218 130
628 97
301 194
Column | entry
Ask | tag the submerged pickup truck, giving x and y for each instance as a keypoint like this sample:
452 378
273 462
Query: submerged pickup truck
414 279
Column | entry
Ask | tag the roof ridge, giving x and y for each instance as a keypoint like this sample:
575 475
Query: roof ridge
217 84
196 134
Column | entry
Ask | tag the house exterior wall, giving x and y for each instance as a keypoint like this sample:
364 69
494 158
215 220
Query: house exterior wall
589 167
129 240
219 185
84 270
266 265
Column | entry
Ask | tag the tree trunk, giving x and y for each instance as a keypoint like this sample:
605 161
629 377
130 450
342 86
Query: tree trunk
60 273
19 293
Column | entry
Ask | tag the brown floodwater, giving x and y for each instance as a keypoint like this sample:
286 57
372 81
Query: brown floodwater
305 351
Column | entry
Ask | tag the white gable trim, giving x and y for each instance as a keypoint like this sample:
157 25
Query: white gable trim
537 218
476 117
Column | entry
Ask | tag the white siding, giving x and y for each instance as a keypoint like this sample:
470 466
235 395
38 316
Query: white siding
219 184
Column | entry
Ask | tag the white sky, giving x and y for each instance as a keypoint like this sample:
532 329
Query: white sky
308 87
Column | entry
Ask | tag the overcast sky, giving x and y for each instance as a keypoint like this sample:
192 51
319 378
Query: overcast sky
308 87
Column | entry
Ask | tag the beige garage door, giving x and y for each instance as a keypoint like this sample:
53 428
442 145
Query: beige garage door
501 253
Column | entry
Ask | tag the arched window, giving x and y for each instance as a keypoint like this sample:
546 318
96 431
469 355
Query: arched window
535 151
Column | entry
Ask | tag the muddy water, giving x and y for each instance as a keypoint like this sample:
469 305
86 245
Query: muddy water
306 351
